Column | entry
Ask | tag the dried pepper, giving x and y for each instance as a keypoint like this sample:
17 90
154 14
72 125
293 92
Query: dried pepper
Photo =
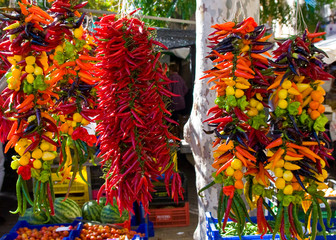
299 153
134 137
33 95
241 77
245 78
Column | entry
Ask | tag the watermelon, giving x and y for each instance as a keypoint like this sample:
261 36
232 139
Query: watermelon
65 211
102 201
36 218
110 214
91 211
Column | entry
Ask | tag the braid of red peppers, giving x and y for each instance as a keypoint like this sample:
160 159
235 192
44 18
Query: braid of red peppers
134 139
28 98
239 118
72 79
299 151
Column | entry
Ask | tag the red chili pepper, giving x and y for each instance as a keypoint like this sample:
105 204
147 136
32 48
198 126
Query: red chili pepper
25 172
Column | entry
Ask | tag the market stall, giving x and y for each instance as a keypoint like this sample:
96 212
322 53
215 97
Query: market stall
268 122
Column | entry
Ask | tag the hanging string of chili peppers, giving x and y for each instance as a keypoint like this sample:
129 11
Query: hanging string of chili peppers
299 151
239 119
71 77
33 128
134 137
35 92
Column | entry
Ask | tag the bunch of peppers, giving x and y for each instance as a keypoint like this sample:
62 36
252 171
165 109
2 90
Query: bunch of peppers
134 137
28 99
294 139
35 96
241 76
299 151
72 78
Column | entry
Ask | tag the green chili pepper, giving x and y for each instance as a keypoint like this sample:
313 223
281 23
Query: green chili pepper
314 221
219 209
298 225
240 219
18 196
24 206
321 219
42 196
26 193
287 223
35 192
242 206
278 220
329 213
51 186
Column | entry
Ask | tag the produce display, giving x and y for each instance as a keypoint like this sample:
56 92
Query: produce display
58 72
135 142
231 229
41 234
282 155
95 231
49 98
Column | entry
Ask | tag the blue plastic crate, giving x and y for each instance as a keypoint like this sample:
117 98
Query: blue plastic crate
213 232
76 224
142 221
328 238
332 223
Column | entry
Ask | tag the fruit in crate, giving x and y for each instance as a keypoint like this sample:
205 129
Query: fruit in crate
111 214
65 211
91 211
102 201
94 231
36 218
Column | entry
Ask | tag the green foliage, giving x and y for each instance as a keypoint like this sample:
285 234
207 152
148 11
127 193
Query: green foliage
4 3
101 4
277 10
312 15
183 9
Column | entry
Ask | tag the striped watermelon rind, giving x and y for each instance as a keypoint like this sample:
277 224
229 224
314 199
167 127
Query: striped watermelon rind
111 214
91 211
102 201
65 211
36 218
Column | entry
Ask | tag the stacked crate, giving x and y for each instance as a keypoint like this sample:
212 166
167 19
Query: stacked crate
164 212
79 191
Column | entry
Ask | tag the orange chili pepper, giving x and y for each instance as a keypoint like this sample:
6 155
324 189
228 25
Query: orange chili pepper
23 9
49 93
277 142
88 58
27 101
12 130
26 107
241 158
264 39
222 160
29 18
245 153
224 166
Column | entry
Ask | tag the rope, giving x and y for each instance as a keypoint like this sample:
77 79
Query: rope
299 16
